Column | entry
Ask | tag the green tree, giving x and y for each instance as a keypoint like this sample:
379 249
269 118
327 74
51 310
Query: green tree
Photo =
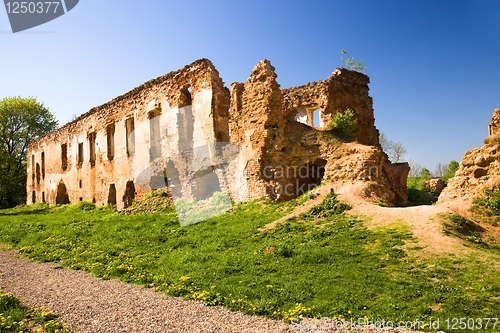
395 150
344 123
451 169
353 64
425 173
453 166
22 120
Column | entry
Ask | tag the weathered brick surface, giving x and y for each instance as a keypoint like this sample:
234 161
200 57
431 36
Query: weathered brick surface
166 130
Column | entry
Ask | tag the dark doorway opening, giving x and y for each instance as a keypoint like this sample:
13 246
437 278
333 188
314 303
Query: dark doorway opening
129 195
112 194
310 176
62 197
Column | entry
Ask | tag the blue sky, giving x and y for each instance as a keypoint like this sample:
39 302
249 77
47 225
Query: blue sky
434 66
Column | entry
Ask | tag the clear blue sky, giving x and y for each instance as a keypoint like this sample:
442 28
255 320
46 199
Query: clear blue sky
434 65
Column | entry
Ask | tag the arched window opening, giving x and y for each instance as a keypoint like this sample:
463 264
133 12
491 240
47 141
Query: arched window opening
62 197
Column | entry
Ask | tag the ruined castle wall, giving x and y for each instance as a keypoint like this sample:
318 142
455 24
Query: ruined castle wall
479 169
284 155
343 89
118 144
185 128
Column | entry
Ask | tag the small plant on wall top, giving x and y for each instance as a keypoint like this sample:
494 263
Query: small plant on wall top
352 64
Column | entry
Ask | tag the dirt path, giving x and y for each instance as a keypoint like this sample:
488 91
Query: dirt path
424 220
88 304
322 193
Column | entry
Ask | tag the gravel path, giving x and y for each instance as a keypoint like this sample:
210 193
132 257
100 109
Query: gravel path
89 304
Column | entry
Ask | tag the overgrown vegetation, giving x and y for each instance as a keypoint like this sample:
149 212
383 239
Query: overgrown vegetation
344 124
487 206
16 317
322 263
195 210
450 170
329 206
465 229
418 193
352 64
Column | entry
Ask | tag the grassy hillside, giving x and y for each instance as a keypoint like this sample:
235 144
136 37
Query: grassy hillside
321 264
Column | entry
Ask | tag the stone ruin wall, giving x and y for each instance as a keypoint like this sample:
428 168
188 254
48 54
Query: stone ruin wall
247 134
275 129
117 144
479 169
494 125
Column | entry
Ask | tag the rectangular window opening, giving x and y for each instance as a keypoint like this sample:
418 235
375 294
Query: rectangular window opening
33 168
64 156
92 153
316 115
110 135
43 165
130 132
154 134
80 153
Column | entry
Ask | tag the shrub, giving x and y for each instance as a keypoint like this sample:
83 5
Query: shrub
344 123
330 206
352 64
84 205
158 193
488 205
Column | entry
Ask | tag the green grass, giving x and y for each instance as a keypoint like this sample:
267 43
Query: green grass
16 317
323 263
